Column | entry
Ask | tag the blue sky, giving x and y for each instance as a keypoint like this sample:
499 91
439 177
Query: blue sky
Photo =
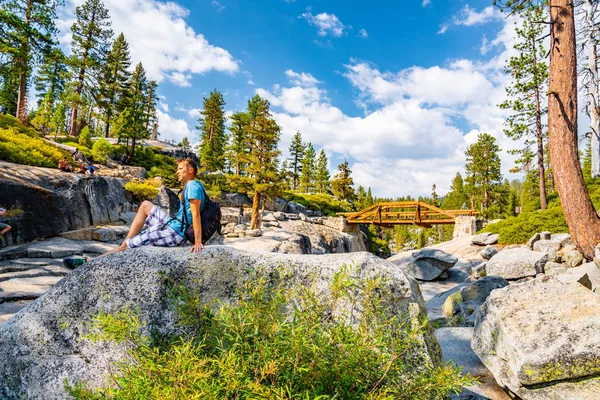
400 89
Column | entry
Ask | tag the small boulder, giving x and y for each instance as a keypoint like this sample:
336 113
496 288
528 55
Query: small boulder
428 264
549 247
562 238
485 239
268 217
253 233
303 217
481 289
488 252
296 208
532 240
582 279
554 268
279 216
517 263
545 235
573 259
479 271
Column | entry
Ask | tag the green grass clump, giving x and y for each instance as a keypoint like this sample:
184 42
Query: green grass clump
325 203
142 191
518 230
276 342
22 148
9 121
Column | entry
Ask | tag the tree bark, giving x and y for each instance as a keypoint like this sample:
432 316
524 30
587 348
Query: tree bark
24 73
581 217
540 135
254 222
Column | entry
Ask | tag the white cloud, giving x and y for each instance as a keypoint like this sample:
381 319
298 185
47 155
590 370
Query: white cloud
173 129
160 38
363 33
217 5
302 79
251 82
425 3
470 17
327 24
163 106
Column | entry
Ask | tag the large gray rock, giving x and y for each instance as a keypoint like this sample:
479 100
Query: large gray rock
55 202
234 200
45 344
536 236
541 339
278 205
295 208
325 240
167 200
516 263
485 239
489 252
427 264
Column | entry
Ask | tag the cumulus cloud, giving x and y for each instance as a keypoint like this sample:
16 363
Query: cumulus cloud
302 79
173 129
425 3
217 5
327 24
160 38
470 17
363 33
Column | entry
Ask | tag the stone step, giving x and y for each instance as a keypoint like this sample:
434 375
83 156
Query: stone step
9 309
25 264
26 288
56 247
48 270
107 233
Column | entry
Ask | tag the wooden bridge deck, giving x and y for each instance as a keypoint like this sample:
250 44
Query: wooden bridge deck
405 213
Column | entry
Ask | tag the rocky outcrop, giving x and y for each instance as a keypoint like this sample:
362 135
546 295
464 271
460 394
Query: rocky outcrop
46 343
326 240
516 263
425 264
541 339
167 200
485 239
55 202
234 200
467 300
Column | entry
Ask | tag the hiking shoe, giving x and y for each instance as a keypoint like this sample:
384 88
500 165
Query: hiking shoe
74 261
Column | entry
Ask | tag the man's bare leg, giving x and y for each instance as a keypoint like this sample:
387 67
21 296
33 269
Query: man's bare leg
136 227
5 230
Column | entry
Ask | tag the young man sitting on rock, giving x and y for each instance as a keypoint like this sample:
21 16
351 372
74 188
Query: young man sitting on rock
162 230
4 228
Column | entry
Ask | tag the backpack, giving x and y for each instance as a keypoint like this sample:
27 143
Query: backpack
210 217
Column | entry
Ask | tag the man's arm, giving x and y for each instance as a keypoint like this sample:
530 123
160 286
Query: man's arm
197 223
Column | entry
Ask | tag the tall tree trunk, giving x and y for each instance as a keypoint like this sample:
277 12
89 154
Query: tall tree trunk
584 224
539 134
24 73
107 128
254 221
132 150
593 87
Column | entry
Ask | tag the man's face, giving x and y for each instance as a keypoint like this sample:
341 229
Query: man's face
184 172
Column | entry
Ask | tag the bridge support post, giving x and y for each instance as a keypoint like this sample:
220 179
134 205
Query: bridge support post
465 226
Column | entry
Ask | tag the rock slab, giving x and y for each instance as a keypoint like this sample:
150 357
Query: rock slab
516 263
44 344
541 339
427 264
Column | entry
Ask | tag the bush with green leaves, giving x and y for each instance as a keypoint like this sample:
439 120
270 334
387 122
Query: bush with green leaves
277 342
85 137
87 153
320 202
101 150
517 230
141 191
9 121
22 148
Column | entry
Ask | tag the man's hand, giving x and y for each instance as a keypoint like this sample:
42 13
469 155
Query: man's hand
197 248
2 211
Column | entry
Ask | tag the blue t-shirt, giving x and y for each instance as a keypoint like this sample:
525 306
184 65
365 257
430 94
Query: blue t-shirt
193 190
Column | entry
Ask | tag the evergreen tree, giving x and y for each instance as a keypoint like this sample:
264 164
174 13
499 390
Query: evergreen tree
361 198
52 75
134 123
527 93
26 28
434 196
91 36
286 175
150 109
237 148
43 117
85 138
213 139
185 145
59 119
342 182
457 197
262 139
297 149
483 167
114 81
9 87
307 177
322 184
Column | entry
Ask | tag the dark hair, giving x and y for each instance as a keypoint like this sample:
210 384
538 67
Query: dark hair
191 163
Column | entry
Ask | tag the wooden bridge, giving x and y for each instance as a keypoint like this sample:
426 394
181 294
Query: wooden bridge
405 212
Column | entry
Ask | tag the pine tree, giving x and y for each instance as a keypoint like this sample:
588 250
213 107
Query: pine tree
434 196
297 149
322 184
307 177
530 74
286 175
27 28
150 109
134 123
457 197
43 117
114 81
52 75
85 138
237 148
262 139
9 87
342 182
483 167
91 36
59 119
185 145
213 139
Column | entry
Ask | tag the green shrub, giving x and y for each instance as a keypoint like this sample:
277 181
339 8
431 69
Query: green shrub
101 150
516 230
87 153
141 191
22 148
320 202
85 137
277 342
8 121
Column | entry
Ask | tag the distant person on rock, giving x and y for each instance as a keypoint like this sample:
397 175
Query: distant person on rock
91 168
124 161
163 230
64 165
4 228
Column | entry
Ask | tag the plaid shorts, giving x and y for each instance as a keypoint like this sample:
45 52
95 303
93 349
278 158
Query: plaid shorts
158 233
